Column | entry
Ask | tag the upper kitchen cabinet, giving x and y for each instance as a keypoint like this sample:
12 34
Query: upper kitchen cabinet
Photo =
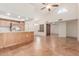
5 23
18 26
11 25
66 11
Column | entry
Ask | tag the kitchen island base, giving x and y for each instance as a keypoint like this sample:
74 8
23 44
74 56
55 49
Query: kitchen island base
8 39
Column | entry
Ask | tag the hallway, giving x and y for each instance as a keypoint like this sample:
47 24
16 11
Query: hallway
45 46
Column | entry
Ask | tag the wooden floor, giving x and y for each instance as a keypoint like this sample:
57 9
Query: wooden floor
45 46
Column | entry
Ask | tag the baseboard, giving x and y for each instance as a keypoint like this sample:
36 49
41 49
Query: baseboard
54 34
71 37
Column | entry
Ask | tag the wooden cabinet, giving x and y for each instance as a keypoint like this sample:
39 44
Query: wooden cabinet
9 39
4 23
20 24
15 38
1 41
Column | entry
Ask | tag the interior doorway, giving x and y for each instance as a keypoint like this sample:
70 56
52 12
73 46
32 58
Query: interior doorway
48 29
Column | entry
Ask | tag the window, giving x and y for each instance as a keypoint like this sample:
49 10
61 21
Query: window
41 28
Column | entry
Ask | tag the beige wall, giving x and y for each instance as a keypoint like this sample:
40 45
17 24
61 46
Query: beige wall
71 28
62 29
54 28
59 28
66 28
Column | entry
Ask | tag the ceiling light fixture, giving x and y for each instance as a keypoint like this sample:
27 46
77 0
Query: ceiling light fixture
35 24
19 16
49 6
27 18
8 14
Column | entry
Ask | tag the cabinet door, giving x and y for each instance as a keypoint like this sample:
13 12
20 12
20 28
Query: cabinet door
29 37
9 39
22 38
2 23
19 38
1 41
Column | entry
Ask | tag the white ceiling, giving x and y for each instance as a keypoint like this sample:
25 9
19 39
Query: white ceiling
24 10
32 10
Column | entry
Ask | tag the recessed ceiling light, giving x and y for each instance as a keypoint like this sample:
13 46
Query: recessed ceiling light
19 16
27 18
35 24
8 14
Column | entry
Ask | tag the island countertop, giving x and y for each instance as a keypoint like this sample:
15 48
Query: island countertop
8 39
15 31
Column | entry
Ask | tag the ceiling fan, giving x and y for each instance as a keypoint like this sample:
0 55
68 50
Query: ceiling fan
49 6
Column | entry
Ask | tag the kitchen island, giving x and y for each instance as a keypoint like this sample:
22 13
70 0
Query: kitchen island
8 39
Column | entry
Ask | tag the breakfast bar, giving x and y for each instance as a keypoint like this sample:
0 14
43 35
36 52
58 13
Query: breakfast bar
8 39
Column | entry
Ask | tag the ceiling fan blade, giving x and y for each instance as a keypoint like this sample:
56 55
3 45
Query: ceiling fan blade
49 9
55 5
43 8
44 3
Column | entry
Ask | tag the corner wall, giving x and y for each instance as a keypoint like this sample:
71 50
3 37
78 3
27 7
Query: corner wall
62 29
71 28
